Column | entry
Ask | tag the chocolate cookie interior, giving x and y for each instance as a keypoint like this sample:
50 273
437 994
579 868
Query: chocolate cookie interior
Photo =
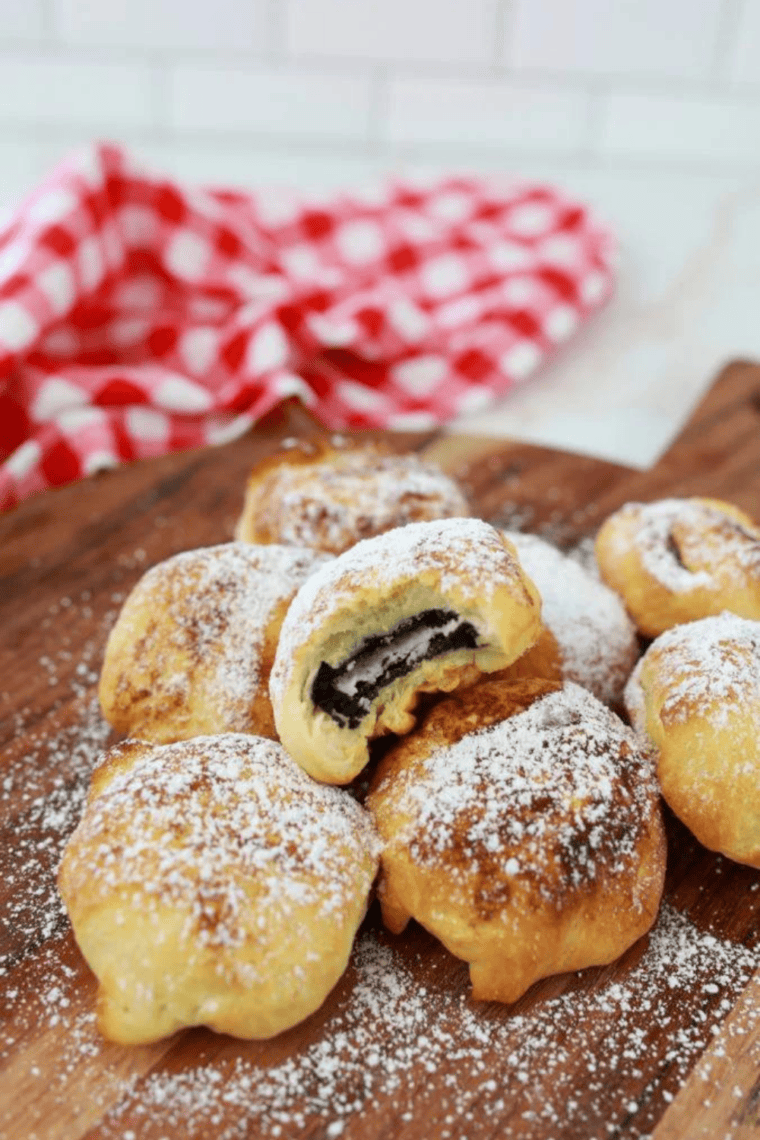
346 691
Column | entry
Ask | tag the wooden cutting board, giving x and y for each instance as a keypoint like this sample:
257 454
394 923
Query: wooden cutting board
665 1041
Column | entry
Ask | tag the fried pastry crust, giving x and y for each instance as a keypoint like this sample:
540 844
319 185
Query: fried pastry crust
211 882
193 646
424 608
331 494
520 825
695 695
678 560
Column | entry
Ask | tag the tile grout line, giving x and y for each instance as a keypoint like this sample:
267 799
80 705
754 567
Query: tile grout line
726 38
49 23
276 22
503 16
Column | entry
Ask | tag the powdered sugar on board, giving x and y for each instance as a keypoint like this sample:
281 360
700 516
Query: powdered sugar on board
402 1048
399 1043
32 840
43 784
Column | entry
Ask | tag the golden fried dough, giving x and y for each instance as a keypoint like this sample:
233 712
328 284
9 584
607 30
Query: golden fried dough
329 495
520 825
423 608
695 695
193 646
677 560
212 882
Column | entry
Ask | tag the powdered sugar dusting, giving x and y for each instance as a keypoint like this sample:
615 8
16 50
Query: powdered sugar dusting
671 537
415 1048
596 637
463 554
45 786
357 493
634 700
399 1051
209 609
45 773
202 823
706 668
579 792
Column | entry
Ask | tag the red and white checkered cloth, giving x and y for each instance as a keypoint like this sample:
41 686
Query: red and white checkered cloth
139 317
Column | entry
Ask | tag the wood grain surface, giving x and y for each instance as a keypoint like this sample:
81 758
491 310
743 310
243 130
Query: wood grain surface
663 1042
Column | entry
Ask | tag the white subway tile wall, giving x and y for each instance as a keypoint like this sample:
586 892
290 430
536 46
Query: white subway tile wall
436 31
633 38
52 90
279 102
164 25
319 92
424 113
745 49
672 127
21 20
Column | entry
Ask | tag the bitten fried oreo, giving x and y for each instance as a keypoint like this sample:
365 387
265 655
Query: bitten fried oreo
331 494
521 826
192 648
589 637
424 608
695 695
211 882
678 560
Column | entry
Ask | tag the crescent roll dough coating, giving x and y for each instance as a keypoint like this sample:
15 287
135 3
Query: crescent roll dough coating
593 640
695 695
521 826
211 882
424 608
331 495
677 560
193 646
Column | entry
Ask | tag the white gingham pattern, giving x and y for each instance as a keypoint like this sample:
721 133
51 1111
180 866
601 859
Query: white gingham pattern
138 317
